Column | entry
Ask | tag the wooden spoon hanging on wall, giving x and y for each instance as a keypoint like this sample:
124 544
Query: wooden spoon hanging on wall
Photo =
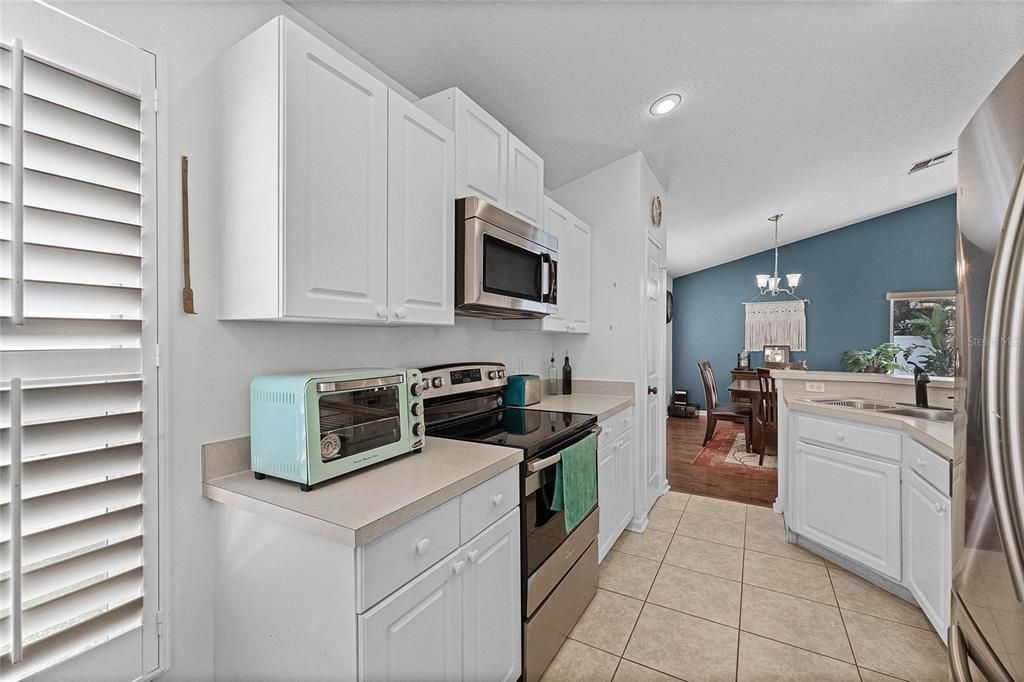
187 297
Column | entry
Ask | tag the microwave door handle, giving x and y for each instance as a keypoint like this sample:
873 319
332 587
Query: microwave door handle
545 276
1003 395
551 295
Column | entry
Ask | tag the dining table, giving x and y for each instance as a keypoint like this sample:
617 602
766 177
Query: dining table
749 391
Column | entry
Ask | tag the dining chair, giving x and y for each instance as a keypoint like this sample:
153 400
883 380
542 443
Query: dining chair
767 413
731 412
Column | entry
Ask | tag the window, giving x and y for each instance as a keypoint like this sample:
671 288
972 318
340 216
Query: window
922 324
78 375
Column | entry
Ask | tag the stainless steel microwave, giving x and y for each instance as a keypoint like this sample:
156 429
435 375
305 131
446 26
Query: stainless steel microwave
504 268
308 428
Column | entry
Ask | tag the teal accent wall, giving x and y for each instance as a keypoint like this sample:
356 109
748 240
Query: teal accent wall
846 274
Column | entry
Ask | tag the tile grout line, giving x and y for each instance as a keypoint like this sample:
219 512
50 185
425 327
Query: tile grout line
644 605
842 620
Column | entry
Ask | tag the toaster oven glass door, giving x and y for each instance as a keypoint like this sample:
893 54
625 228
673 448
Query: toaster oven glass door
356 421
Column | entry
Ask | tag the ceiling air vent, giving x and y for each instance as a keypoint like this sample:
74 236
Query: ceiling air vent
928 163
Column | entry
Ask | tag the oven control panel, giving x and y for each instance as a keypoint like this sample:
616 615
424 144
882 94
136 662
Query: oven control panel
446 380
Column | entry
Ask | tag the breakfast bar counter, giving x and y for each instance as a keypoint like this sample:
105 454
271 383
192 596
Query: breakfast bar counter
361 506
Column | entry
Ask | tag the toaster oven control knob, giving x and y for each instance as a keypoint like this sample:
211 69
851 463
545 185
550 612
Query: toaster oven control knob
417 429
492 375
415 388
437 382
417 409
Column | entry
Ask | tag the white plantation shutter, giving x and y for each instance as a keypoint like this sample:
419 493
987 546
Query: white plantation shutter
77 349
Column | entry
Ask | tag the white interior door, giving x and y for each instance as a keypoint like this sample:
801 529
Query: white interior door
655 483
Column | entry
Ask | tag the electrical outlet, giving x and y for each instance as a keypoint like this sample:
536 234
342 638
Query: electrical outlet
814 387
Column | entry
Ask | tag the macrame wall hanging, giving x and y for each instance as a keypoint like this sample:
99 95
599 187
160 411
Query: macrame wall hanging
775 323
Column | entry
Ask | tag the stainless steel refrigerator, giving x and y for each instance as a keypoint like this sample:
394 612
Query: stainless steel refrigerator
986 637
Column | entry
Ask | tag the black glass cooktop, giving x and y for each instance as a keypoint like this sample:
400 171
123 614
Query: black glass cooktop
532 430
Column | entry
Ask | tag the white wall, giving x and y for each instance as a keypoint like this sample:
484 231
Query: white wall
210 363
616 202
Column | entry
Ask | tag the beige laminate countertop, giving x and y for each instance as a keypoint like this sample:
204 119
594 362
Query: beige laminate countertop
603 406
936 436
362 506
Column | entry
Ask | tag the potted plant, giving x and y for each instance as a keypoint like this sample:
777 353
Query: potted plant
880 360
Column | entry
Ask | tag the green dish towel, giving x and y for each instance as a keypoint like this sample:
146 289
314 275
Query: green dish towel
576 481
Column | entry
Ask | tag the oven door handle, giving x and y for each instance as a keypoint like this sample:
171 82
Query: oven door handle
534 467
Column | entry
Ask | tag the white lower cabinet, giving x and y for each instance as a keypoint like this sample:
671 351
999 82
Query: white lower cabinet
416 633
926 529
459 620
878 498
614 479
491 604
851 505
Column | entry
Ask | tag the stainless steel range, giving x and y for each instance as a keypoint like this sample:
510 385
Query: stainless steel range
559 569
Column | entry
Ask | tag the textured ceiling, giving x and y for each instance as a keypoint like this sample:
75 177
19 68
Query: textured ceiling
815 110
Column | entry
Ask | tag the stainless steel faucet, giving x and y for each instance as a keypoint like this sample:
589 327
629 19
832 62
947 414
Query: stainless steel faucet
921 381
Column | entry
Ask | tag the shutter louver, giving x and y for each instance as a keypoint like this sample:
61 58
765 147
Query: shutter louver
78 357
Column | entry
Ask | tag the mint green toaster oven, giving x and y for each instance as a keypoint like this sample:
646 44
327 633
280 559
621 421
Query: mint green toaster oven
309 428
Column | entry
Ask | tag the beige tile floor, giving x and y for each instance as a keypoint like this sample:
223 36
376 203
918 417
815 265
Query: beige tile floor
712 592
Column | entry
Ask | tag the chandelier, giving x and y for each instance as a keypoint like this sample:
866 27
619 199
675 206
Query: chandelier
772 284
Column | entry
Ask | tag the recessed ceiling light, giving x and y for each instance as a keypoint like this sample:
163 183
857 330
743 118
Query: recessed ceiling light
665 104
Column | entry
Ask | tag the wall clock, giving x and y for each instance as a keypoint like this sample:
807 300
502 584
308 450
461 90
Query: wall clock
656 211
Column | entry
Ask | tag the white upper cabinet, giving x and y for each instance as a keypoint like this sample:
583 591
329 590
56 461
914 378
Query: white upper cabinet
574 276
327 195
421 227
335 183
525 182
490 162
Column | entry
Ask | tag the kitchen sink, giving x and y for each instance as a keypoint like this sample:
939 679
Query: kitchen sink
856 403
927 413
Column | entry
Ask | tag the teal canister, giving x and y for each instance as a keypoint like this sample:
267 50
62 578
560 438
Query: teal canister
522 390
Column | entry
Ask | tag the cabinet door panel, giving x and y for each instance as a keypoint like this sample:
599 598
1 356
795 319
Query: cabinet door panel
926 533
525 182
579 252
624 466
335 246
481 153
608 496
850 504
416 633
421 228
556 222
492 603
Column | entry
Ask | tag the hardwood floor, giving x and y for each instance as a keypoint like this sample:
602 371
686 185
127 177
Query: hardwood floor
684 440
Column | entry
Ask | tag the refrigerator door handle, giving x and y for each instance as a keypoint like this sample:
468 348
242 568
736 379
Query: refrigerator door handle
967 645
1002 377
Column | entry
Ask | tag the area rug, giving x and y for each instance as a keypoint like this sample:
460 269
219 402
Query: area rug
728 448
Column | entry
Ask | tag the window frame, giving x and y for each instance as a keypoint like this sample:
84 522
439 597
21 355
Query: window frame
894 296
